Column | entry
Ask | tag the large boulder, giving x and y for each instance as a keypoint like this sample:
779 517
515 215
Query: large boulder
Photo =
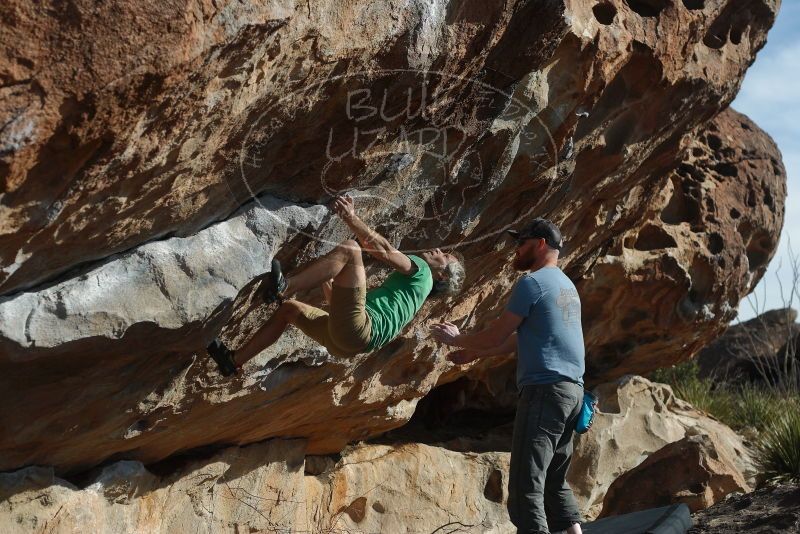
270 487
155 157
694 471
377 487
703 245
128 123
637 418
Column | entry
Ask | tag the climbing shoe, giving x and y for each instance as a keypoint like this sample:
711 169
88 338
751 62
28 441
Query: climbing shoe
276 284
223 357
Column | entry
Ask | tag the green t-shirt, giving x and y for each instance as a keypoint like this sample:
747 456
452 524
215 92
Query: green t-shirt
392 305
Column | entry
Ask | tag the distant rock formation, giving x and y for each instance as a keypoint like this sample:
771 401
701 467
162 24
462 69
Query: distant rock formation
749 351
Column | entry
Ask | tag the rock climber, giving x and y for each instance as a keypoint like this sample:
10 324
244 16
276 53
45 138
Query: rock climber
359 320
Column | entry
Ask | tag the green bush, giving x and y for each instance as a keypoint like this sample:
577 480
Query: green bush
703 394
779 447
737 405
677 374
755 407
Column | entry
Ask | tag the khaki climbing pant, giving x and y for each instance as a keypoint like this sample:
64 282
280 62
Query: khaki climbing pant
538 494
346 330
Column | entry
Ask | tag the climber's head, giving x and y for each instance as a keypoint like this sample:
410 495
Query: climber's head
448 271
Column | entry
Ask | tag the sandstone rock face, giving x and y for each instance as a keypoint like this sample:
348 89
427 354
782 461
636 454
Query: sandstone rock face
260 486
154 157
693 471
637 418
175 285
369 488
270 487
413 488
125 124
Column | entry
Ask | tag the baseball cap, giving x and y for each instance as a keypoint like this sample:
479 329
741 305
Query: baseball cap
540 228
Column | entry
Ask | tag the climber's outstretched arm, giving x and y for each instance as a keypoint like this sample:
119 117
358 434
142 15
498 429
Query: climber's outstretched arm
371 241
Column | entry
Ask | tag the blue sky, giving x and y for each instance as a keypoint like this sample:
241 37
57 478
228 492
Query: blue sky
770 95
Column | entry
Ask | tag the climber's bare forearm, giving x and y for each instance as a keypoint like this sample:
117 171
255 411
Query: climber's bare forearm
371 241
378 246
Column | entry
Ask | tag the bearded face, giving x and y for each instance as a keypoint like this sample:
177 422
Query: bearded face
525 255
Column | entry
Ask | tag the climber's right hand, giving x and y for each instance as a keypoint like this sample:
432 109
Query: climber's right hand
344 207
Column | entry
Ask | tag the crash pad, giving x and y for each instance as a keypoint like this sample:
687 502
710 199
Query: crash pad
675 519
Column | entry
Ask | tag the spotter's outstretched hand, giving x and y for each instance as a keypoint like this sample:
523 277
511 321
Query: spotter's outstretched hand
445 333
462 356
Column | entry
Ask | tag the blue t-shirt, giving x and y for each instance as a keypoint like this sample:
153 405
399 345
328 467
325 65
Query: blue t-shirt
550 337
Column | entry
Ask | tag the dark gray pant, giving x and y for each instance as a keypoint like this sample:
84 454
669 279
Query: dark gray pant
538 493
